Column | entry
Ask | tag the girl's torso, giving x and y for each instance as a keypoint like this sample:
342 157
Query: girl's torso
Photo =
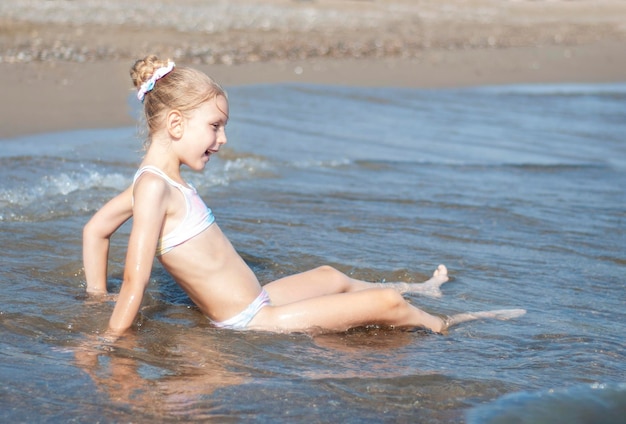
189 221
200 257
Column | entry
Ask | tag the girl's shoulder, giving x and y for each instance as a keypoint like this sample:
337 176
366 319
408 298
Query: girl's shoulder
149 187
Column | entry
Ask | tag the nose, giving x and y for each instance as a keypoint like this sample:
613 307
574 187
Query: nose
222 139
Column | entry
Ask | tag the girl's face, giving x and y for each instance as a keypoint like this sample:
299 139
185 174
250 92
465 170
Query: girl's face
205 132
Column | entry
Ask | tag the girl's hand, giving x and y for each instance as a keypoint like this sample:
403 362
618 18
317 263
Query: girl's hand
96 344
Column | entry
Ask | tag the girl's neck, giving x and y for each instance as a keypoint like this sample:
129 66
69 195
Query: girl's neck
161 157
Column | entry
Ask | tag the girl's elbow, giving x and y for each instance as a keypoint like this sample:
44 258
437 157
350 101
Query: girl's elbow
93 231
89 230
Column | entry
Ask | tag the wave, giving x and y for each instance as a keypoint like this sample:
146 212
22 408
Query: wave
36 189
593 403
469 165
608 89
55 195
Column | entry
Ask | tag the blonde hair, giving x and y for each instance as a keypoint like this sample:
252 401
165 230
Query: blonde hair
182 89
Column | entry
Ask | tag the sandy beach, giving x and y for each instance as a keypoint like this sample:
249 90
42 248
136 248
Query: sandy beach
65 63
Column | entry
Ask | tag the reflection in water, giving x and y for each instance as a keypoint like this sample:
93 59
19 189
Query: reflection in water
162 381
189 373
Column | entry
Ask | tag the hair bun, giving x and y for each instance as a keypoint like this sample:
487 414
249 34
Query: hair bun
143 69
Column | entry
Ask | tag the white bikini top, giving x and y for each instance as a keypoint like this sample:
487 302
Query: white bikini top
197 219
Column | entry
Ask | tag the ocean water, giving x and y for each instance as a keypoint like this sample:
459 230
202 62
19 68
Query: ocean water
519 190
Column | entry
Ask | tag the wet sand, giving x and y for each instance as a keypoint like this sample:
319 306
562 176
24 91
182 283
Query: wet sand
67 68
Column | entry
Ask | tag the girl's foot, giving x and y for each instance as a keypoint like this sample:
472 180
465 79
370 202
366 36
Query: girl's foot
430 287
501 314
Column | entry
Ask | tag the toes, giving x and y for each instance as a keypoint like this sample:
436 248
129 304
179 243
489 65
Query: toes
442 270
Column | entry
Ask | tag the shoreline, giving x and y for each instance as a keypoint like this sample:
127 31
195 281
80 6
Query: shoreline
59 96
62 70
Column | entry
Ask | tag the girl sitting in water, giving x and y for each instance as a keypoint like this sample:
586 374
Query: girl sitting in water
186 114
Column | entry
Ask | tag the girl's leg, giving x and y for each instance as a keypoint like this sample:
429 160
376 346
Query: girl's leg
502 314
340 312
326 280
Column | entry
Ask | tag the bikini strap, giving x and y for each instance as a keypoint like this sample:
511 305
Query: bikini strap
157 171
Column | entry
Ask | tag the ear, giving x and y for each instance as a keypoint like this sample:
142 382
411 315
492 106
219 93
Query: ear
175 124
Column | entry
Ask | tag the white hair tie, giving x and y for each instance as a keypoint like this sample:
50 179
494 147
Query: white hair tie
158 74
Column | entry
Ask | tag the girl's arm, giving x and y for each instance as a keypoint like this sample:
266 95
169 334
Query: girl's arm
96 239
151 199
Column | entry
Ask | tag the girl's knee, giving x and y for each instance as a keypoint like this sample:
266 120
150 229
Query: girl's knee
330 273
391 298
394 309
338 279
326 269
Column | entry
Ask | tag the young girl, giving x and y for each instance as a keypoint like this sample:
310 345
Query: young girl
186 114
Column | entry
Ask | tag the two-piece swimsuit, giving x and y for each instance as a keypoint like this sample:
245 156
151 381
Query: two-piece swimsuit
197 219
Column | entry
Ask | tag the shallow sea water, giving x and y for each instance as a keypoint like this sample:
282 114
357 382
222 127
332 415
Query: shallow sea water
519 190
